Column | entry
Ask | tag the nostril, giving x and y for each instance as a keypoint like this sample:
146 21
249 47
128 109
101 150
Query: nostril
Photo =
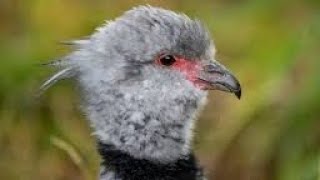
212 68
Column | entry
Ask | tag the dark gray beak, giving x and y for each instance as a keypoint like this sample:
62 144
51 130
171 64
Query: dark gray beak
219 78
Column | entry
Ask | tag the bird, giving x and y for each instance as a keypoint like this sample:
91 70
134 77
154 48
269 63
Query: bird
143 79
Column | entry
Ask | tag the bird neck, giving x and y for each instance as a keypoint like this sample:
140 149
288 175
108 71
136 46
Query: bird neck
120 165
157 128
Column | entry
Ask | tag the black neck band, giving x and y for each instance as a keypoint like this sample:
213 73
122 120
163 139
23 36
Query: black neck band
127 167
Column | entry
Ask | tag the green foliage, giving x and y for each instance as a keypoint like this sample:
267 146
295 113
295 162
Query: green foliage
272 46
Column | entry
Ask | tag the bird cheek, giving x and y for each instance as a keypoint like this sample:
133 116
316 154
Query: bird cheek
191 71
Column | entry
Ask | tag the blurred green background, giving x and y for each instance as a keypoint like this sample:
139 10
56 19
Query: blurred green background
272 46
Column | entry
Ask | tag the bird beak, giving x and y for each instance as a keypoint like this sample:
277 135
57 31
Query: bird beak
217 77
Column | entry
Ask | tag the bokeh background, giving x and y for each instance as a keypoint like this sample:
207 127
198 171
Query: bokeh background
272 46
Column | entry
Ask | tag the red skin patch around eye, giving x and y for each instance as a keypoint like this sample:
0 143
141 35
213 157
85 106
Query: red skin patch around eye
191 70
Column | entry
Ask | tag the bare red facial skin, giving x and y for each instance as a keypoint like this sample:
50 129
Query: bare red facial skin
191 70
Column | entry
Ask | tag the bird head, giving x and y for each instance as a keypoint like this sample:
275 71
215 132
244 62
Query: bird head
144 77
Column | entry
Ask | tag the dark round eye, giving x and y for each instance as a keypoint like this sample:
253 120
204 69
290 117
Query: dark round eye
167 60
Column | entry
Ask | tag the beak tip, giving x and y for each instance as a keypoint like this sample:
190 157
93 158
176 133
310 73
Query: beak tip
238 94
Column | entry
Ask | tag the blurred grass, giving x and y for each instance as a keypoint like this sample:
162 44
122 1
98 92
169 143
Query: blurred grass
272 46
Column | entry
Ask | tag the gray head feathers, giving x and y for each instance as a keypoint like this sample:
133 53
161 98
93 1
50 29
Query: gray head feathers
142 109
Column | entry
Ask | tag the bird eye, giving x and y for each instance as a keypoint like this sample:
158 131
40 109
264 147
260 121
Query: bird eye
167 60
